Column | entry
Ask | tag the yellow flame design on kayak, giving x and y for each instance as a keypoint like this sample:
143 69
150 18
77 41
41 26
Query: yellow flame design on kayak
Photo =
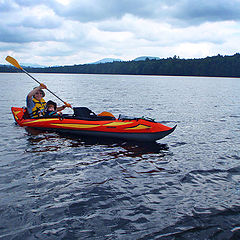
72 125
40 120
16 112
138 127
113 124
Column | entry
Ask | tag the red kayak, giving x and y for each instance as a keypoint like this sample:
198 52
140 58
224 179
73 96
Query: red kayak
136 129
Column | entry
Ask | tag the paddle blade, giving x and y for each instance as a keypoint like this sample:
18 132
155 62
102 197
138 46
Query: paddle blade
14 62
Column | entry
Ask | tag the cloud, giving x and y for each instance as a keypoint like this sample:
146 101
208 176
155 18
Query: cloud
100 10
72 31
165 34
197 12
28 24
39 16
23 35
188 12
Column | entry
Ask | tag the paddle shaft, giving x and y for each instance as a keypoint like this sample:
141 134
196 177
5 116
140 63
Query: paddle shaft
40 83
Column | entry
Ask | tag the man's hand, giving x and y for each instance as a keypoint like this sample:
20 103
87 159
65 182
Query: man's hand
43 86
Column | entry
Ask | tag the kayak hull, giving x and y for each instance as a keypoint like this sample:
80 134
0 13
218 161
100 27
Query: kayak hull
132 129
142 137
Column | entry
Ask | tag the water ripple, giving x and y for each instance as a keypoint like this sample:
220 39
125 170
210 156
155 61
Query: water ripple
186 186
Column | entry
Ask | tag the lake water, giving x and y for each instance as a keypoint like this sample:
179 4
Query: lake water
186 186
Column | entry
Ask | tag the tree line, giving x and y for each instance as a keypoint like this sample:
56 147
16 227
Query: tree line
216 66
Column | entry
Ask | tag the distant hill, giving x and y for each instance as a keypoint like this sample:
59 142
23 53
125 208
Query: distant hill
110 60
25 65
107 60
7 66
143 58
32 65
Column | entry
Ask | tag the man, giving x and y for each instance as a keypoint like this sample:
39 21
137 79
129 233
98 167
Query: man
36 103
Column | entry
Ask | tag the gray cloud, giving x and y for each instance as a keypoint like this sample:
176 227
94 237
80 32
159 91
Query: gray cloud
16 5
12 35
175 12
43 23
196 12
29 3
23 35
88 11
98 10
6 6
20 25
9 46
189 12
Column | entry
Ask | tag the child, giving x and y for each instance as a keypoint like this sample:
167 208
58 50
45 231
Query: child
51 110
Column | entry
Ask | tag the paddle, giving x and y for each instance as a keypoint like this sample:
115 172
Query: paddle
15 63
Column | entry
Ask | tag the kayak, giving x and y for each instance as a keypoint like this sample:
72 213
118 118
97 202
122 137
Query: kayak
127 128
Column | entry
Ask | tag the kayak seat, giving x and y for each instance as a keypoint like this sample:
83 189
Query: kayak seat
85 113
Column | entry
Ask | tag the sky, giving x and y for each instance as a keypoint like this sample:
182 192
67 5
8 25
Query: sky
68 32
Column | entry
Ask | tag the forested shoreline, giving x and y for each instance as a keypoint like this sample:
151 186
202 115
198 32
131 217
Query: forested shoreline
216 66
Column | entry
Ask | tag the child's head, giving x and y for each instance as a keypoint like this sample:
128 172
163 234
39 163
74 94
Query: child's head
51 106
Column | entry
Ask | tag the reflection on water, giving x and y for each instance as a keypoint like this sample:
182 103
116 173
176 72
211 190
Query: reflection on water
132 158
48 141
